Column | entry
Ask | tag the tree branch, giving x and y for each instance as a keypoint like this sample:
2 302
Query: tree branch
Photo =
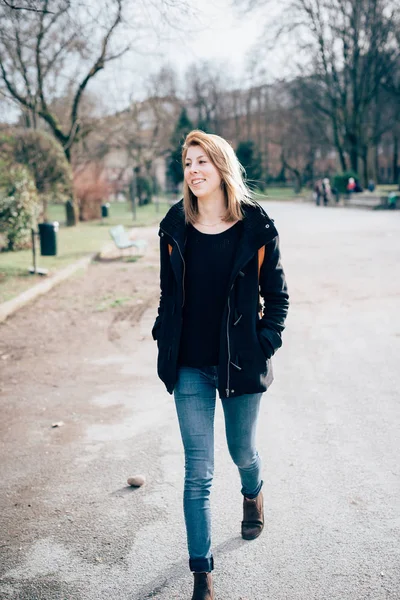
57 55
98 65
27 8
13 91
37 58
21 62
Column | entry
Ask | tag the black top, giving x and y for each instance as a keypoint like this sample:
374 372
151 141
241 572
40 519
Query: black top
208 261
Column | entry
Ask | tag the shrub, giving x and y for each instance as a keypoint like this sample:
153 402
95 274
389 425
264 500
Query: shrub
144 189
19 205
250 158
174 162
44 157
341 180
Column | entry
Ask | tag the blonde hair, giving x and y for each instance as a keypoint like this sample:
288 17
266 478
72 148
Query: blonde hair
223 157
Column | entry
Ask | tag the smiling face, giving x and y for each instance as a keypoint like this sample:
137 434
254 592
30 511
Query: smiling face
201 174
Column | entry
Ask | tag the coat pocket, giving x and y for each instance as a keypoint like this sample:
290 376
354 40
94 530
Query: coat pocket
250 355
265 345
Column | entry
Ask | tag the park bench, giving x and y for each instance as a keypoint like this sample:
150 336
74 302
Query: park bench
372 201
367 200
122 240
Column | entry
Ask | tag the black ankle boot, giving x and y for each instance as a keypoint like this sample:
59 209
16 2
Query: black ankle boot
203 587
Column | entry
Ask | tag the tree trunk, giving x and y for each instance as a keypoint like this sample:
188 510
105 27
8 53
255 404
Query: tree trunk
70 206
71 216
297 182
365 166
248 115
342 158
354 157
339 146
298 179
396 168
45 215
376 163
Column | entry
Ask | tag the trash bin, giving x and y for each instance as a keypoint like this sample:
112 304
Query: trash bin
104 210
48 238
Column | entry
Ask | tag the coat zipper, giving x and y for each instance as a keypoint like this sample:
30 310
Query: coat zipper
227 390
229 344
184 266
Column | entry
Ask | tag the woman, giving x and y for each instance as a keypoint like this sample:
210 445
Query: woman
219 254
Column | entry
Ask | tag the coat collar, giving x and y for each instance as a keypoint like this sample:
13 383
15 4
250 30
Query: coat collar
258 228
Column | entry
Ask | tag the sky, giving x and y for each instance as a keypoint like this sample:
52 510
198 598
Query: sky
213 30
216 32
222 33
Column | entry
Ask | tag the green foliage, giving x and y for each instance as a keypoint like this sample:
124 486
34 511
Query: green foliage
182 128
144 188
204 125
250 158
18 204
341 180
45 158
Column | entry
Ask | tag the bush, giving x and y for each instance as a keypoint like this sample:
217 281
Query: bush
19 205
341 180
46 160
174 161
44 157
144 189
250 158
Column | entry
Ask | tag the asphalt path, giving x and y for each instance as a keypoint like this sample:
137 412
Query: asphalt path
329 434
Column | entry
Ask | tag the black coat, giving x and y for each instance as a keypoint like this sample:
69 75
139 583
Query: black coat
248 340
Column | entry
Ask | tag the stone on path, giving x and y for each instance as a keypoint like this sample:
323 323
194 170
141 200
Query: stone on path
136 480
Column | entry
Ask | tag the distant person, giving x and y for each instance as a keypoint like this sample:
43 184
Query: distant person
371 185
335 192
358 187
318 192
351 185
218 250
392 200
326 191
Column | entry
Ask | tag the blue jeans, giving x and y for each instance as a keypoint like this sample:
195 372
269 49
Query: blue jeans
195 394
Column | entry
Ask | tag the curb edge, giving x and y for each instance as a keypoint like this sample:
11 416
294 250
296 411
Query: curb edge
11 306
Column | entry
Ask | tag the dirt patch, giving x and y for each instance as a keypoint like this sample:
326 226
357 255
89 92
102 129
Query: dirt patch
55 355
47 347
72 319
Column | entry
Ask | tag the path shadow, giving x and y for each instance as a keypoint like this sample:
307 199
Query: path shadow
127 490
180 570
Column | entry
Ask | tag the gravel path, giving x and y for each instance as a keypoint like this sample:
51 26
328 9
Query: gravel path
329 433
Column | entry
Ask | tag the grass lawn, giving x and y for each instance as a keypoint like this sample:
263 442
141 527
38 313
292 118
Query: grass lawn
386 188
280 193
120 213
73 243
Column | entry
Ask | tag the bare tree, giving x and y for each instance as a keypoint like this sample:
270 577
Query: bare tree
300 137
351 47
138 137
27 5
40 50
37 51
206 86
